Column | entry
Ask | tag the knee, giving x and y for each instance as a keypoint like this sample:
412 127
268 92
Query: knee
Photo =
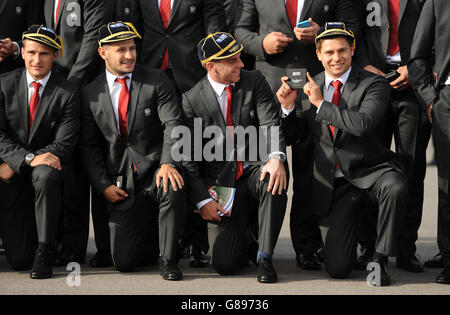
44 175
338 270
124 264
396 189
224 267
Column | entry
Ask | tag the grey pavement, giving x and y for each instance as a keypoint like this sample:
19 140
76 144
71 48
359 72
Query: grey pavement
292 279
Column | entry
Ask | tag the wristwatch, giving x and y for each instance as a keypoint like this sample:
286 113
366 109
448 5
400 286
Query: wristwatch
28 158
278 156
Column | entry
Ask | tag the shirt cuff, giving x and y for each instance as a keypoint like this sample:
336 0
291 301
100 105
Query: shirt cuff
285 112
277 153
318 108
204 202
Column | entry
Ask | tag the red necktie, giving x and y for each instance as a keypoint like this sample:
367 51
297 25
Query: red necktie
291 10
164 11
229 89
336 97
34 101
394 9
123 106
57 13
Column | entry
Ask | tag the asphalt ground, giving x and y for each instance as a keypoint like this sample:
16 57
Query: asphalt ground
205 281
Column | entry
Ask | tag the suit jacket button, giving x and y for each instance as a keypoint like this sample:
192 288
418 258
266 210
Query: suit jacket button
167 36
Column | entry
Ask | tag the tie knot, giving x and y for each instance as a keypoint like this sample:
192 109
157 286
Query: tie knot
36 85
336 84
122 81
229 89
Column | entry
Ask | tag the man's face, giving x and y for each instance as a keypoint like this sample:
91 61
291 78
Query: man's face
39 58
226 71
336 56
120 57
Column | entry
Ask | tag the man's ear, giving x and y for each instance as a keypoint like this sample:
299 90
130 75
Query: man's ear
102 52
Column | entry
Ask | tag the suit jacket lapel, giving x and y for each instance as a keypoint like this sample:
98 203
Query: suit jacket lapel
3 5
352 81
44 103
136 84
210 100
173 11
154 4
282 7
22 97
48 12
306 6
104 101
60 13
237 104
320 81
403 4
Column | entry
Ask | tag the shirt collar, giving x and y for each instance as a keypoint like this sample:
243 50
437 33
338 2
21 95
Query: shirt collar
111 78
343 78
218 87
43 81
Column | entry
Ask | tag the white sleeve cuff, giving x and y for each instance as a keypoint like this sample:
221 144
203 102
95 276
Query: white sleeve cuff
285 112
202 203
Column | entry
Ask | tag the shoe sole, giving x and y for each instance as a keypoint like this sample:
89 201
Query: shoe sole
267 280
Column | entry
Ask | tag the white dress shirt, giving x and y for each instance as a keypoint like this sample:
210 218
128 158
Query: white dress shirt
114 92
30 81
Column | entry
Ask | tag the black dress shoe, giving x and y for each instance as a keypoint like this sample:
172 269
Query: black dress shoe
410 263
444 276
308 261
199 259
169 269
435 262
101 261
385 278
43 262
363 260
265 271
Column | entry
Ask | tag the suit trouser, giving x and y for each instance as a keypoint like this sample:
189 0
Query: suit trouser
340 227
134 235
228 239
75 216
409 124
304 228
441 138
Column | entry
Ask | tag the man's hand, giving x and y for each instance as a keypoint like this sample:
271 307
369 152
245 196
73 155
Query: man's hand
307 34
114 194
7 48
48 159
6 173
402 82
286 96
166 173
275 43
312 90
278 178
375 70
429 108
209 211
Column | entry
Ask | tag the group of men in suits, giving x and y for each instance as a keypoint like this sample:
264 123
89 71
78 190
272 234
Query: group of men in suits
133 171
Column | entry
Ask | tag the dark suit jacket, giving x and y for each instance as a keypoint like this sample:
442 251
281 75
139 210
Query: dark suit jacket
361 158
431 38
252 105
260 17
55 128
15 17
121 10
78 24
152 114
376 29
190 21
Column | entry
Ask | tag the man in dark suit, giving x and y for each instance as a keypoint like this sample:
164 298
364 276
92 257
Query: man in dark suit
268 31
129 114
387 38
344 106
229 96
171 30
15 17
77 22
39 126
429 69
